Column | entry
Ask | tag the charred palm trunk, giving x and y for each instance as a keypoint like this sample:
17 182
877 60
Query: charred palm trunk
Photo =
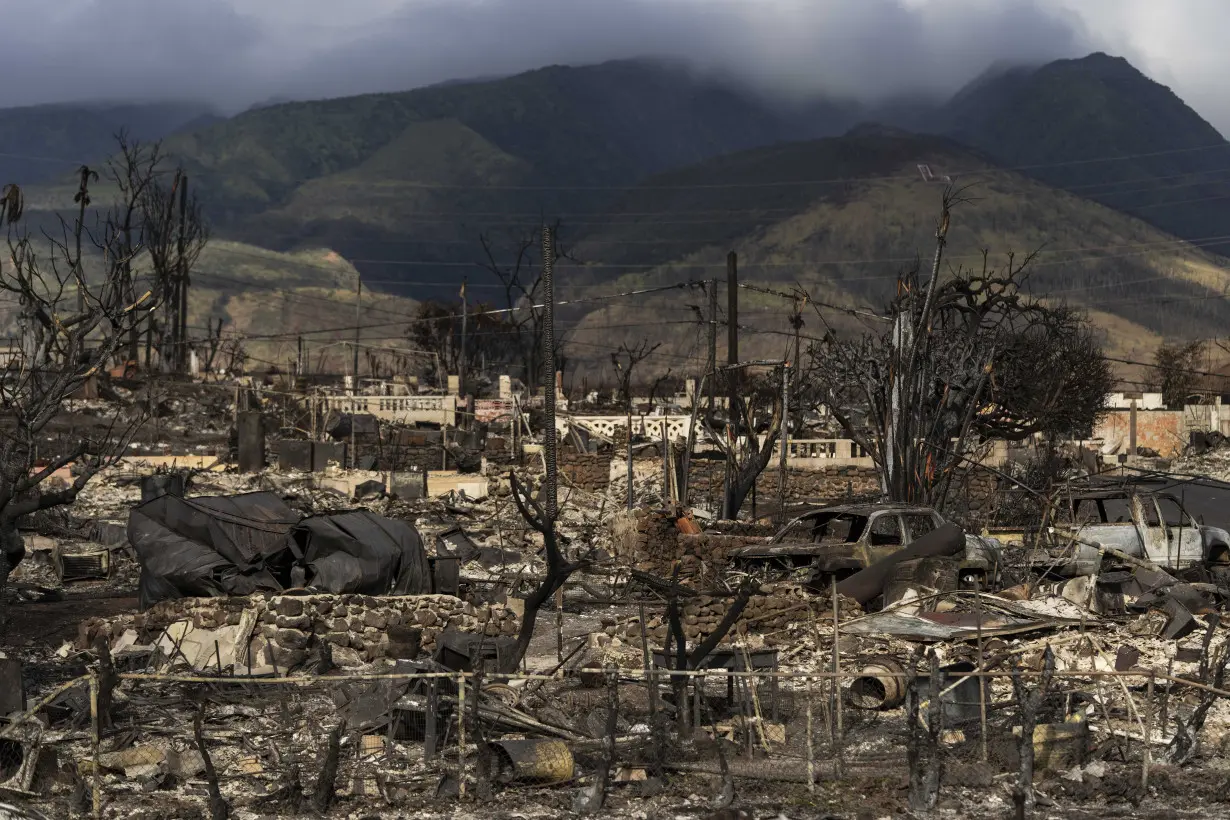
12 550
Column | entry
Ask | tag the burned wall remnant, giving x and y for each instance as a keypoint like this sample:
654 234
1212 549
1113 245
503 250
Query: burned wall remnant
650 540
586 471
826 486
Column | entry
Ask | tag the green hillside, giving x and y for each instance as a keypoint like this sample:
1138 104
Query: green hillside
39 143
1072 117
844 241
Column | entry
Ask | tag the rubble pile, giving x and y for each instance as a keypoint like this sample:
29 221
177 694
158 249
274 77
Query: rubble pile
281 631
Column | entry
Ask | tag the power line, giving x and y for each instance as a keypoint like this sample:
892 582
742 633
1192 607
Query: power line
747 185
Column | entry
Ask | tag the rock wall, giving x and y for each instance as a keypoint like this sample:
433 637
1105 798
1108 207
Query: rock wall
832 485
587 471
769 614
651 541
286 628
974 500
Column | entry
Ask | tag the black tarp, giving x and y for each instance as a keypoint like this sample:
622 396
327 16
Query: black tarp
237 545
206 547
362 552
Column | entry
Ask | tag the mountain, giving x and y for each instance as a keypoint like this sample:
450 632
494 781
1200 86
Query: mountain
38 143
1098 127
418 175
655 173
842 216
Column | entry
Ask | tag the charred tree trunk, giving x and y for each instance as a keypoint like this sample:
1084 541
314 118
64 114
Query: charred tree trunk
326 784
219 809
1029 701
558 571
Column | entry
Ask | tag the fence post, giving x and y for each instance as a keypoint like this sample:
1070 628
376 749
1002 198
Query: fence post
811 752
1147 756
95 741
837 706
461 736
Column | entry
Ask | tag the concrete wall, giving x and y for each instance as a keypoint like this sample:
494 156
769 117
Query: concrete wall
1162 430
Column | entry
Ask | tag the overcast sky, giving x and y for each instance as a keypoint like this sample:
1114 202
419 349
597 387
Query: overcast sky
235 52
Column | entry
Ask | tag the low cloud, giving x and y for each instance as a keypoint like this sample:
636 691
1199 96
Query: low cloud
237 52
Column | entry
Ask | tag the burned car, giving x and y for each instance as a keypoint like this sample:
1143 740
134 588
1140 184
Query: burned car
1150 526
836 542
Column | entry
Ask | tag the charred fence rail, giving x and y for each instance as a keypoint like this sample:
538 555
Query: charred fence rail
297 743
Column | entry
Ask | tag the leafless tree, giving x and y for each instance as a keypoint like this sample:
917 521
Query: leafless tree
559 569
156 225
72 322
521 280
624 360
1175 371
750 436
959 362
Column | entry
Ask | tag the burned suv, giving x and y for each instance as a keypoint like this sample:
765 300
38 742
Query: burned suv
1145 525
836 542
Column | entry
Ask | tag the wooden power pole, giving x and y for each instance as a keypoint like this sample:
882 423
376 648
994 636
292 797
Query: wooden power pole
732 357
181 331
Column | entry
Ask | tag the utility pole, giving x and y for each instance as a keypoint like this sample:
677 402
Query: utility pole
732 356
461 366
784 443
358 308
549 438
181 332
713 322
732 308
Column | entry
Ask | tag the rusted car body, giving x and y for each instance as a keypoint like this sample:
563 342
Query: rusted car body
836 542
1150 526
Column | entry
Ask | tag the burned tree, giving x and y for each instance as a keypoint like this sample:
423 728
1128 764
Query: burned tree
491 339
521 280
77 305
960 362
751 433
625 360
1175 371
158 226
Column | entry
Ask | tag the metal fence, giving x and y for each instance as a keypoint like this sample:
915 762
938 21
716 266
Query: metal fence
274 741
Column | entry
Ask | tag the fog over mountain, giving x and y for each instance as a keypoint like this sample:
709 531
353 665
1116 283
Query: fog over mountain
233 53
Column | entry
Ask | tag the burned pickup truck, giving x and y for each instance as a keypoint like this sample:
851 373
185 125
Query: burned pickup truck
1145 525
836 542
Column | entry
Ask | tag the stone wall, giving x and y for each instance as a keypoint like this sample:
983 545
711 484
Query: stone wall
586 471
650 540
285 629
769 614
831 485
